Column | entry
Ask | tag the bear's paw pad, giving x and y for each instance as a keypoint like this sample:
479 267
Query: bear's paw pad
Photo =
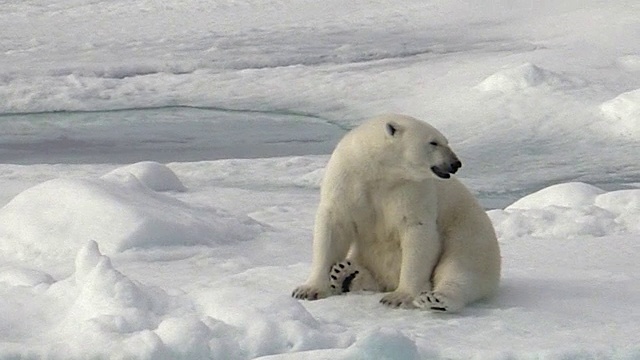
341 276
435 301
398 299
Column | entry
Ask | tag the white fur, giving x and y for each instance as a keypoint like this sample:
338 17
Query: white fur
384 209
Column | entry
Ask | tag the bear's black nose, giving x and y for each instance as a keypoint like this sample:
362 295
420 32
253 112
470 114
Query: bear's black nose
455 166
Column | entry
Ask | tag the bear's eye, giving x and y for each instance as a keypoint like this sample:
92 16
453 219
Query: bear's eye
433 143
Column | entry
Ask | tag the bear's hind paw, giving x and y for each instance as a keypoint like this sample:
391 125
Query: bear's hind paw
342 275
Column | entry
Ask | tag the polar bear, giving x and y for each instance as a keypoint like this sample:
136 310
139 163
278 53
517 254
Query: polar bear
392 219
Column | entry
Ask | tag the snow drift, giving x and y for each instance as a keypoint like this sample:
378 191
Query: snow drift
140 321
571 210
119 211
525 76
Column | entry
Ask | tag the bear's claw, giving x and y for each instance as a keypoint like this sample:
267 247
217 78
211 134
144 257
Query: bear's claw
308 293
398 300
435 301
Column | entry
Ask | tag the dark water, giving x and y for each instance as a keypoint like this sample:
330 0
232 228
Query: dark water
161 134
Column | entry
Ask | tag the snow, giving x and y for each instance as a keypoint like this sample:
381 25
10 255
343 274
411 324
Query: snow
522 77
50 221
624 113
570 210
160 166
168 296
566 195
151 174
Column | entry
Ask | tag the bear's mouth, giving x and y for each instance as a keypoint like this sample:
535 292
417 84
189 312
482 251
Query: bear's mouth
441 174
445 170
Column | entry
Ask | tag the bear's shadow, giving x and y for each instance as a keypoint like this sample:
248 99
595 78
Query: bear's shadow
543 294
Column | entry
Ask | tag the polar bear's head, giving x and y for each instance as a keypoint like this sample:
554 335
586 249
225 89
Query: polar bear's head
419 149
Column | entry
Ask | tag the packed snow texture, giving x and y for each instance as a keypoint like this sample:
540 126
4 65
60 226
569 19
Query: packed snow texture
160 166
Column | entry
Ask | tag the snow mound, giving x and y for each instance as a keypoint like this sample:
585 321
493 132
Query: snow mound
567 195
623 114
377 343
188 337
154 175
570 210
140 321
522 77
383 344
55 218
269 323
107 312
624 203
108 300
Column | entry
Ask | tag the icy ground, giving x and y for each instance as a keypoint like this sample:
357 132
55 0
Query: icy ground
160 162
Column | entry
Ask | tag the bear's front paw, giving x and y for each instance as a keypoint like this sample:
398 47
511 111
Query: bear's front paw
398 300
436 301
342 275
306 292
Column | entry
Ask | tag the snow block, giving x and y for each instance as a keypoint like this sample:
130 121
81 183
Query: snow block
56 218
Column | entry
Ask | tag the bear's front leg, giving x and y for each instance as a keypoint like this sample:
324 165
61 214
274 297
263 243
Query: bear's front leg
329 247
420 246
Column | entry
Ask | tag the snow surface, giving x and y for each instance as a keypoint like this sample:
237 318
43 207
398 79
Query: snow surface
160 166
624 112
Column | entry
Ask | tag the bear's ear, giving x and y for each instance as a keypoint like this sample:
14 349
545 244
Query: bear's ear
393 129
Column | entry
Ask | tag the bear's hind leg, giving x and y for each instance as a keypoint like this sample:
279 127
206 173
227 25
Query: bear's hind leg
347 276
454 288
